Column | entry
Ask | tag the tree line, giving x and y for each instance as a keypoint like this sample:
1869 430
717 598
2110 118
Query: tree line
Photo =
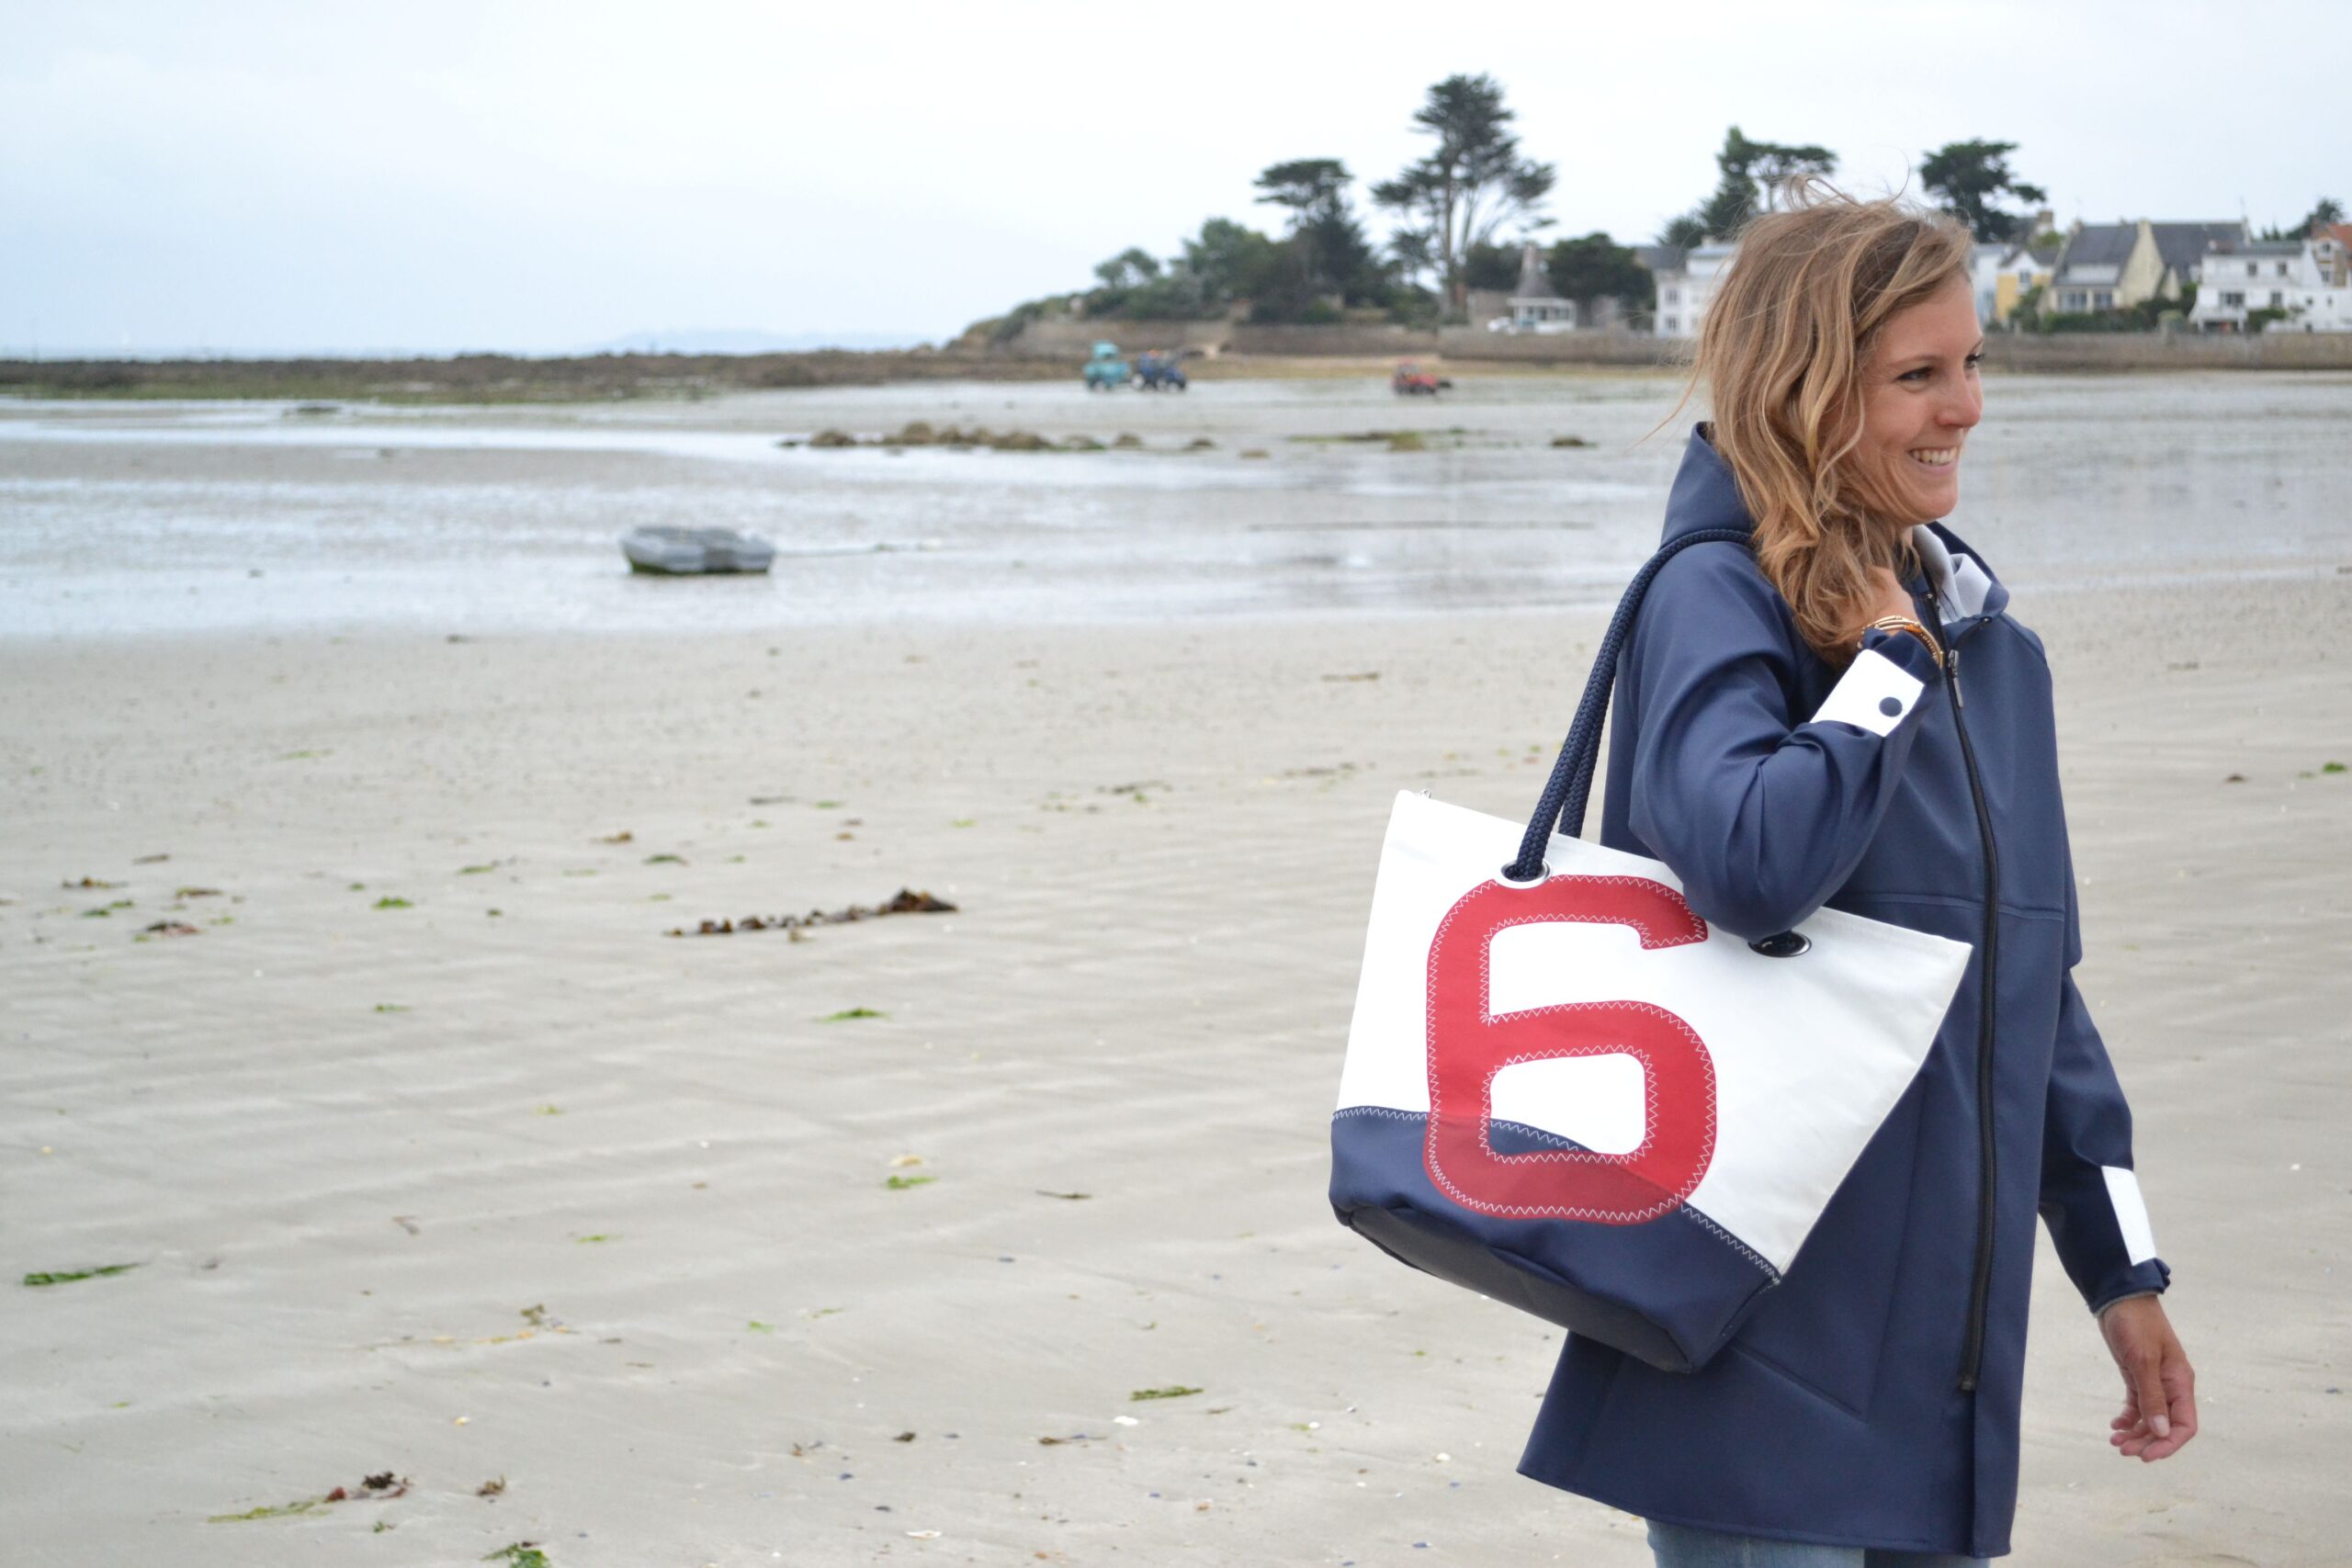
1449 209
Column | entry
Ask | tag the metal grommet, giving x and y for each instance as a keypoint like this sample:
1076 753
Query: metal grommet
1505 877
1785 944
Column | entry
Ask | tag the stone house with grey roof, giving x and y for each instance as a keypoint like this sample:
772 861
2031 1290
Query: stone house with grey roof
2114 266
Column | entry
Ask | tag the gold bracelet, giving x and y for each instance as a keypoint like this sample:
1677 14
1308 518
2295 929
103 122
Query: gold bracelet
1906 624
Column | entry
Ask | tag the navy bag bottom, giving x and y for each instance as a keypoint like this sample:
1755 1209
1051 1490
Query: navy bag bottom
1670 1291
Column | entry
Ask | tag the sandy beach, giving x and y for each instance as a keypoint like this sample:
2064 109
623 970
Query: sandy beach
433 1156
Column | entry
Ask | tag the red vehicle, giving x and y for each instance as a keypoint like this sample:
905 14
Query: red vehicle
1412 381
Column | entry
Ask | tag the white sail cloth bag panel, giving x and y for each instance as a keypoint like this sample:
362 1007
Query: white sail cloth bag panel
1566 1090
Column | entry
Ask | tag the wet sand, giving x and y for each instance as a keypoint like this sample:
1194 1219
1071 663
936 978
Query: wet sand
545 1195
359 520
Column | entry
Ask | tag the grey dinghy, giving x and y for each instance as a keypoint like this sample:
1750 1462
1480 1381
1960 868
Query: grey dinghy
693 552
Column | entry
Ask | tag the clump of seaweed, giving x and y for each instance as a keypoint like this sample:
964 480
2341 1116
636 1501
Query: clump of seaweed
921 433
906 901
379 1487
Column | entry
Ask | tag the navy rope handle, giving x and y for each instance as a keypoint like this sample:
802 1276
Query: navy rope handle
1571 786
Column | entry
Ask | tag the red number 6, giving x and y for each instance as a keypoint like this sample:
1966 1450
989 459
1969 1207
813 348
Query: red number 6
1468 1045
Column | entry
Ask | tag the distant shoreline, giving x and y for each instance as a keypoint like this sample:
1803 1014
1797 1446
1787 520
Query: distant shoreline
475 379
494 379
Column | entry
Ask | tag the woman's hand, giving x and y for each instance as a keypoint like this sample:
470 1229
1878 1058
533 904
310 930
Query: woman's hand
2159 1388
1888 596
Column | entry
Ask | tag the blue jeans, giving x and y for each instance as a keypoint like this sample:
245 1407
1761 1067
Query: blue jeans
1679 1546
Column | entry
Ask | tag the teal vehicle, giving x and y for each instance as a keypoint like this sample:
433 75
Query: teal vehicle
1106 370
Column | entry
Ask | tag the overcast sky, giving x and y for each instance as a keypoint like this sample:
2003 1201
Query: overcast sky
539 177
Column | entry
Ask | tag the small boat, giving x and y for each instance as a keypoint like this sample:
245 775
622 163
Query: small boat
694 552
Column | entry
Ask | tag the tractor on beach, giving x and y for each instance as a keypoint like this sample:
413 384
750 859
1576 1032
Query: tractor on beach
1412 381
1106 371
1160 372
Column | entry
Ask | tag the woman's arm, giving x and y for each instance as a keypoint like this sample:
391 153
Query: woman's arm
1762 812
2099 1223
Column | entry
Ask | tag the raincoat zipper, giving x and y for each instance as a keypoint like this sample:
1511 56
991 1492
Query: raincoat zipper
1981 1283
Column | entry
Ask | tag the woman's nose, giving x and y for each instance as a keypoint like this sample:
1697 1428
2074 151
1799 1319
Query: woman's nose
1965 407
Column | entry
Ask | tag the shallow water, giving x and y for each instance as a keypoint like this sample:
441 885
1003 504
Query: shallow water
177 517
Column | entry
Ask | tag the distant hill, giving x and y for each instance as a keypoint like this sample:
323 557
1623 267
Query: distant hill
742 340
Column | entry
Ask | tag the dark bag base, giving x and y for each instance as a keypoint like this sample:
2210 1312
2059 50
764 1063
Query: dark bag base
1434 1247
1679 1285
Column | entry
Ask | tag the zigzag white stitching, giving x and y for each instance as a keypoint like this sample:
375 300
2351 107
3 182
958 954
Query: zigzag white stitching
1582 1155
1762 1264
1649 1080
1666 1204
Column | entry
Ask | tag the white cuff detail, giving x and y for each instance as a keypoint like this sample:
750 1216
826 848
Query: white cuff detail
2130 1212
1874 695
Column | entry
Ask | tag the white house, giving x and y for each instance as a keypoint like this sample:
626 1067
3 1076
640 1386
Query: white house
2006 274
2309 279
1687 281
1985 276
2002 272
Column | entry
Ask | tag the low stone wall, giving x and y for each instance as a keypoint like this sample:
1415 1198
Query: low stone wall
1333 342
2169 351
1077 338
2003 351
1635 349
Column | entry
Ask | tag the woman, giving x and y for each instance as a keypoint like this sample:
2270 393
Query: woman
1846 715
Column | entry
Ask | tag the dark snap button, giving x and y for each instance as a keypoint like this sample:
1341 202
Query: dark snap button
1889 706
1786 945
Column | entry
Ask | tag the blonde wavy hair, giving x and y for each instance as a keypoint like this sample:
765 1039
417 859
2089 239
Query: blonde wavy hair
1782 351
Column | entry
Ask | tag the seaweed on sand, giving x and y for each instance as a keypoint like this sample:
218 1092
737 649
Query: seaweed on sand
906 901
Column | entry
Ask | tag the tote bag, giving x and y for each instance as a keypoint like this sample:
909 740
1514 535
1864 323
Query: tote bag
1567 1090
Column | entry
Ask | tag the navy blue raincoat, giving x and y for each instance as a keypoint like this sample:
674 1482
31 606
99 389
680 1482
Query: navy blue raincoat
1872 1398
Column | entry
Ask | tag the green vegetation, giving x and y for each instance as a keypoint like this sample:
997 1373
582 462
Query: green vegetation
1173 1391
900 1183
2325 211
1969 177
1747 174
1325 269
2147 316
281 1511
504 378
1596 267
851 1012
67 1275
1470 183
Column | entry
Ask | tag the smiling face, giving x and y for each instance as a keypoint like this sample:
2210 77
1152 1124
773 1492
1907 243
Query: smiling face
1920 398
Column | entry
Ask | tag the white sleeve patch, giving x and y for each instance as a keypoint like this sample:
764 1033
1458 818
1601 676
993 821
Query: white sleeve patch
1874 695
2130 1212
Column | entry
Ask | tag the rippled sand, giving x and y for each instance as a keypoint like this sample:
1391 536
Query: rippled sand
546 1195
